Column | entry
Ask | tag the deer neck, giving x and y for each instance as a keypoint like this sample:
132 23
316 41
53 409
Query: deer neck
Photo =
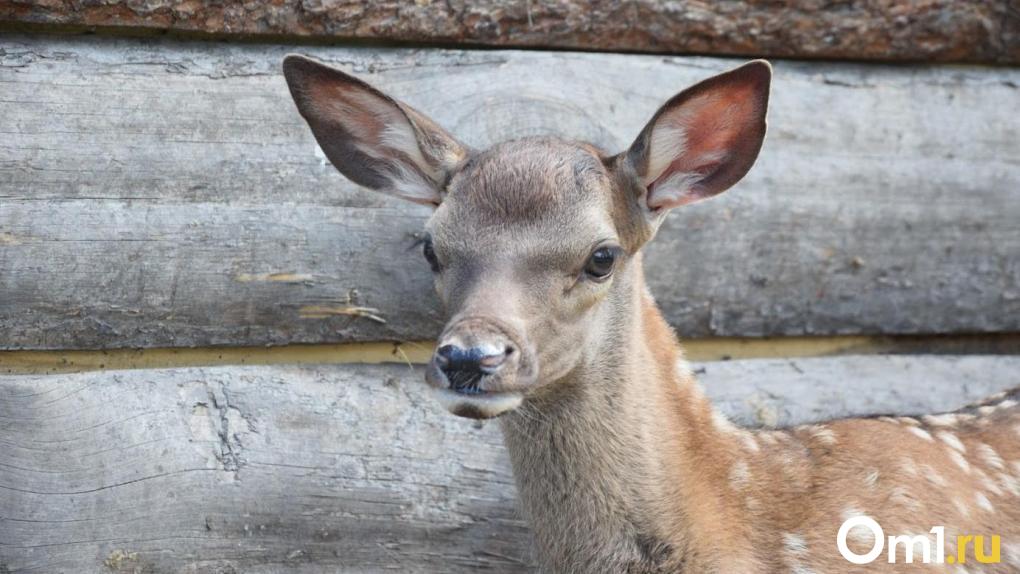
612 470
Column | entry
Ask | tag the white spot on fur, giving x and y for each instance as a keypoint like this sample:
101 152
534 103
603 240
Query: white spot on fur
933 476
740 475
871 479
983 502
961 507
909 421
988 484
823 435
921 433
1012 551
796 551
986 410
749 441
951 440
794 544
946 420
1007 404
990 457
889 420
960 461
1009 484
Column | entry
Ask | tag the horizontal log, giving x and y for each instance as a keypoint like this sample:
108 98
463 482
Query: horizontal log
336 468
420 352
958 31
165 193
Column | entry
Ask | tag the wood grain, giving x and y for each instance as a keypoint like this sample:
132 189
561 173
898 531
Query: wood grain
947 31
167 194
336 468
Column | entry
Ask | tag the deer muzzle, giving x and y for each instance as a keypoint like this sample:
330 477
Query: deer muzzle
481 367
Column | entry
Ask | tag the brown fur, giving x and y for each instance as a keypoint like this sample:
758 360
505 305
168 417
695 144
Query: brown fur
677 507
621 462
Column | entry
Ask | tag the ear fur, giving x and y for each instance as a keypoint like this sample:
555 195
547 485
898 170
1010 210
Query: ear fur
374 140
703 140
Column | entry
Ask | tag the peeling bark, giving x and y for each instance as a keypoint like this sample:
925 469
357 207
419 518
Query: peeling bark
934 30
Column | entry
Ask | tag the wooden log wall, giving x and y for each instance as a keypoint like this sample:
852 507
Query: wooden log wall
159 193
163 192
943 30
336 469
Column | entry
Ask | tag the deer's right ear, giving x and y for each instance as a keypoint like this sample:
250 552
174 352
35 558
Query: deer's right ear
374 140
703 140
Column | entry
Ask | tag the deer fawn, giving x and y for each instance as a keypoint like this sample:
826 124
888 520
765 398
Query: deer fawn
621 462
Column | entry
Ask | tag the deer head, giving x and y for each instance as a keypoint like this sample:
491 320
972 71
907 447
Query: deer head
534 244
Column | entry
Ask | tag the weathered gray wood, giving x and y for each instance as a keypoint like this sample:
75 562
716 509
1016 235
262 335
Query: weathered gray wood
254 469
786 392
340 468
161 193
960 30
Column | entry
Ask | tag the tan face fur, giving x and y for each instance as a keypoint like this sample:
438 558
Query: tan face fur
522 231
509 274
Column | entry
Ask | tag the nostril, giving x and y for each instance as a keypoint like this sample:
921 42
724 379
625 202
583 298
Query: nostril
465 367
444 355
492 361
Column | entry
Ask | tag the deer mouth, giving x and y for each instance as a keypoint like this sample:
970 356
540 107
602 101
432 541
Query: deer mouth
466 382
478 404
474 395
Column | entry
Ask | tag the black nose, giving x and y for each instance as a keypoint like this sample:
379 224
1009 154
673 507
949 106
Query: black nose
466 367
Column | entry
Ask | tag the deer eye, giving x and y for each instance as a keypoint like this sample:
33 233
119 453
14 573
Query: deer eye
600 264
430 254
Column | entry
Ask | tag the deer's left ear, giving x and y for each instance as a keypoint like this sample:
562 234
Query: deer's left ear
703 140
373 139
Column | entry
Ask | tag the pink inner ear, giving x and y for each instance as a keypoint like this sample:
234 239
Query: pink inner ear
712 125
378 127
341 105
